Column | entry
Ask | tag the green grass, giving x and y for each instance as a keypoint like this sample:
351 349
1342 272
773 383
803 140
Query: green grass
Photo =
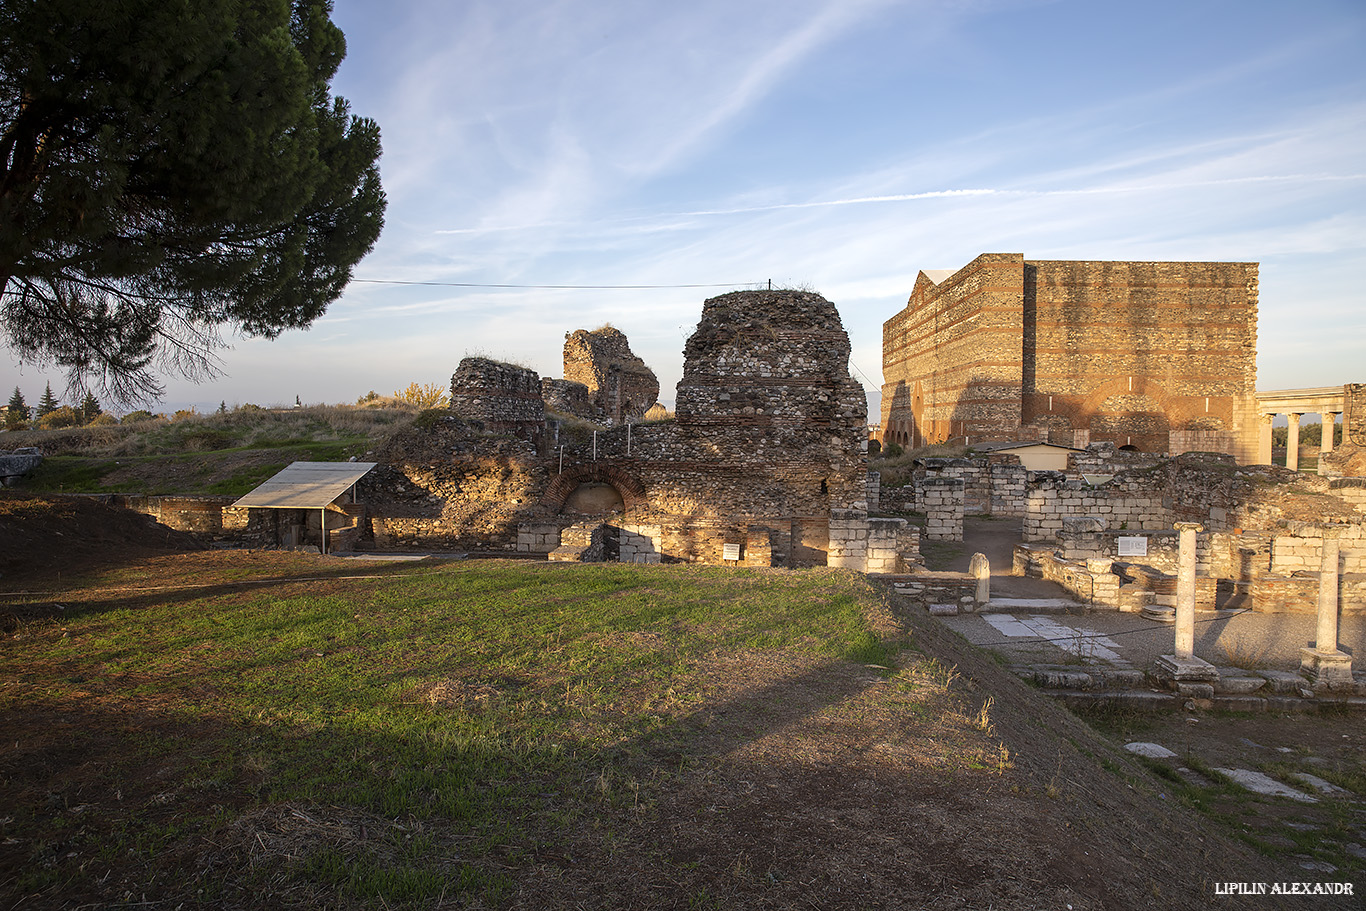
472 701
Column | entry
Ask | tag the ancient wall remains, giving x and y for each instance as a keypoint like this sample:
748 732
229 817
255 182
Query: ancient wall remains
502 397
1354 414
769 433
941 499
566 397
1130 352
620 386
952 361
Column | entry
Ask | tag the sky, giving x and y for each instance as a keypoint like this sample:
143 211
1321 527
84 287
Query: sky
839 146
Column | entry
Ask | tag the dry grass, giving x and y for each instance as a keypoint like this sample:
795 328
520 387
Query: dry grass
244 427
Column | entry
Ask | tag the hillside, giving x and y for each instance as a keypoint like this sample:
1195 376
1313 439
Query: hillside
224 454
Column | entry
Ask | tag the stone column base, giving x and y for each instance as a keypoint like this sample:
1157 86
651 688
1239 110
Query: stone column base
1188 676
1158 612
1186 669
1327 670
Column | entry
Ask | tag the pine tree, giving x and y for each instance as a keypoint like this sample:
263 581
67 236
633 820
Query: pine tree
171 171
17 414
90 407
47 404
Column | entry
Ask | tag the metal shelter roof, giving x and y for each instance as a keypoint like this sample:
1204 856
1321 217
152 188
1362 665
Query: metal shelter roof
307 485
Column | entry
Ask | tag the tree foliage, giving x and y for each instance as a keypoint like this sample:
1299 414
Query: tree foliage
90 407
47 404
170 169
16 415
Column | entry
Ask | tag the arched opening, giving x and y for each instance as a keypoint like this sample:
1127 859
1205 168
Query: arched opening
1129 448
594 498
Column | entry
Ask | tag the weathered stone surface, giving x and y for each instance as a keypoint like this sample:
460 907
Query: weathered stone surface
1150 750
1139 354
503 397
619 385
17 463
1259 783
566 397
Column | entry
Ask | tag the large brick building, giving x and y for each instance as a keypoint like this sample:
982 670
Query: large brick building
1159 357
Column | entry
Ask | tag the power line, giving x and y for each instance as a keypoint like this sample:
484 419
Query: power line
381 281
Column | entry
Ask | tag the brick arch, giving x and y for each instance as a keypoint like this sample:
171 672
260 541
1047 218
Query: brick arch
1177 412
632 492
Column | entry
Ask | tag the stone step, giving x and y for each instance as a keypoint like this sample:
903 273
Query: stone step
1031 605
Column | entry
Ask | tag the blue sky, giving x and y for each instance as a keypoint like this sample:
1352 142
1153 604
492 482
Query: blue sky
840 145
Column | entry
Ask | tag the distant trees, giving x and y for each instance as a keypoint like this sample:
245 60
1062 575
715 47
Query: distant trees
16 415
59 417
90 408
1310 435
47 404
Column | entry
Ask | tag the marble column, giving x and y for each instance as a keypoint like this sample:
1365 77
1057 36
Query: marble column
1185 590
1330 422
1326 666
1191 675
1292 443
1264 439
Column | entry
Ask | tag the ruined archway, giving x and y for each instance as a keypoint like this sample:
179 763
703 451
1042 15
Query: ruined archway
580 481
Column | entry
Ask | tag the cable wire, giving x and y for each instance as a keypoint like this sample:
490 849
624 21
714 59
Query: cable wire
383 281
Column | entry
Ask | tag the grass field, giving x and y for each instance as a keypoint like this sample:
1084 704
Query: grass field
463 717
248 729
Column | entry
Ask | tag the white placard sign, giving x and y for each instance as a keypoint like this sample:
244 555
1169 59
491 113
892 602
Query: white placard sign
1133 546
732 551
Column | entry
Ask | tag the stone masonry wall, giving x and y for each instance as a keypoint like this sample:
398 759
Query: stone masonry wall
1134 504
620 386
1354 415
767 446
941 499
1130 352
566 397
503 397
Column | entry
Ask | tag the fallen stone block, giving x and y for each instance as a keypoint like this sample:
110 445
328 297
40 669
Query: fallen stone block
1262 784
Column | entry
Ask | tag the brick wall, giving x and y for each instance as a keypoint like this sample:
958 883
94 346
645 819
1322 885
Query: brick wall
952 359
1129 352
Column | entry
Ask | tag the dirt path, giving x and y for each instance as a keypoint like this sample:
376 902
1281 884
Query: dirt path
996 537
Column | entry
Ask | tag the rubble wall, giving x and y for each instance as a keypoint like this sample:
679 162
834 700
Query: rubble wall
620 386
502 397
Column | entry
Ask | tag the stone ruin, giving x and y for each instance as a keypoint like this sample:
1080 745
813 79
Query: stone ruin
17 463
619 386
764 464
503 398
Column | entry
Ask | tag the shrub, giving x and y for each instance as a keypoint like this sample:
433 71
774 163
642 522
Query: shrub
63 416
102 419
892 450
135 417
425 395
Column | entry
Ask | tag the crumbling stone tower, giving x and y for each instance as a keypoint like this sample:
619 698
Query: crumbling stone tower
766 376
620 386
